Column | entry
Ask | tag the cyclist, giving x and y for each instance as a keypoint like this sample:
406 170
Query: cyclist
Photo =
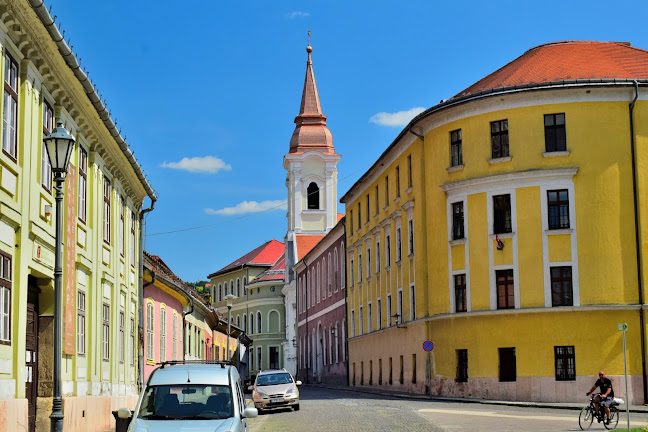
606 396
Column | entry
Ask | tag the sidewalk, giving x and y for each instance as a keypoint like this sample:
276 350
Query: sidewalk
415 396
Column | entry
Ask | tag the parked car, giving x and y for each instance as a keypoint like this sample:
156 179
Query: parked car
274 389
196 396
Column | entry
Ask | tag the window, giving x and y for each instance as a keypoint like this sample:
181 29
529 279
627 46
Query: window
389 309
351 268
238 287
502 214
351 221
359 217
220 292
342 263
258 358
330 276
361 321
401 378
412 303
367 217
81 316
561 286
46 167
245 323
251 323
122 215
163 334
106 195
391 368
274 357
462 365
505 291
10 114
565 363
369 317
83 184
386 191
132 341
399 304
189 339
5 298
507 364
132 238
323 278
456 155
499 139
122 323
410 234
106 331
397 182
457 221
318 283
313 196
368 261
379 315
259 328
398 245
376 199
413 368
377 257
352 323
359 267
387 251
150 334
460 293
409 171
555 139
558 203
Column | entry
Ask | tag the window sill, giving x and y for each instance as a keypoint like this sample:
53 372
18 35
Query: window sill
502 235
500 160
314 211
455 168
556 153
397 199
559 231
409 190
388 267
411 255
386 207
456 242
376 215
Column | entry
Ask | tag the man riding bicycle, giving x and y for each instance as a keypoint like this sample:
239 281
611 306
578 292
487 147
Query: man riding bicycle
606 396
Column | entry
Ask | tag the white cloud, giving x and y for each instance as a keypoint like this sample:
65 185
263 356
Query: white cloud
207 164
249 207
297 14
400 118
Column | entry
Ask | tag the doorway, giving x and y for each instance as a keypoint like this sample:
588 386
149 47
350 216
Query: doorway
31 353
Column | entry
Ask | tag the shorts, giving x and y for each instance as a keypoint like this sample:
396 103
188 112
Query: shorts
607 401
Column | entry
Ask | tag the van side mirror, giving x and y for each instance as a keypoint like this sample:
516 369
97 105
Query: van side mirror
124 413
250 412
298 383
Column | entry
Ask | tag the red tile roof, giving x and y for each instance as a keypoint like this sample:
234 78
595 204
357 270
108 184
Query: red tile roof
340 216
567 60
158 266
306 242
275 273
266 254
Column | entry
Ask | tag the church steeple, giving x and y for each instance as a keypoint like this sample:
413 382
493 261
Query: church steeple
311 132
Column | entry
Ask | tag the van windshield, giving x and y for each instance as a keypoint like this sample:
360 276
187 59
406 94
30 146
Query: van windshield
190 401
274 379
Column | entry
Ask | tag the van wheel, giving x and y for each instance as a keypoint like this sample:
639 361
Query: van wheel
296 407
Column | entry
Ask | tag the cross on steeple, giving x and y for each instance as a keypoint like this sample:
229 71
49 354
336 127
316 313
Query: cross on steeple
308 36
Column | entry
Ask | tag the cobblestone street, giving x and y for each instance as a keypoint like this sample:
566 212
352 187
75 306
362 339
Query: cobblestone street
327 410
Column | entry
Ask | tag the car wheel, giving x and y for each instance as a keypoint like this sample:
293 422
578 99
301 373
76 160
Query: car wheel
296 407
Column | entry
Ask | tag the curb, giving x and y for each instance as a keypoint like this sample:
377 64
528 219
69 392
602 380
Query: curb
413 396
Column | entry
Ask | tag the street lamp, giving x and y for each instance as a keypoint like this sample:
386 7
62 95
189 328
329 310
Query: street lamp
229 298
59 146
395 317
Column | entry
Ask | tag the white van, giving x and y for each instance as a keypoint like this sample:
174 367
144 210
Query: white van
196 396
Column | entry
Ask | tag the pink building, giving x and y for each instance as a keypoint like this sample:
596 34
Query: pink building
321 310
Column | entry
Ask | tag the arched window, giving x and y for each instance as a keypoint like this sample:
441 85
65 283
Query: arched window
323 278
238 321
335 270
251 323
344 332
337 343
244 286
231 291
220 292
245 323
330 276
259 322
313 196
238 287
317 285
224 289
342 276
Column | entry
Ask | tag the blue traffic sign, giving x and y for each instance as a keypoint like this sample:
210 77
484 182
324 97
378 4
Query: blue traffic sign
428 346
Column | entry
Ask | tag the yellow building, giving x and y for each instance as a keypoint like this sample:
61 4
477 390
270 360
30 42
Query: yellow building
105 190
524 192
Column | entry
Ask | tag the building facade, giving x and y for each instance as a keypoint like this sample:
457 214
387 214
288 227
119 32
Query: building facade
104 194
258 307
311 183
321 310
529 193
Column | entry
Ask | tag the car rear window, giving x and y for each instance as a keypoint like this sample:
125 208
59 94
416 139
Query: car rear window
186 401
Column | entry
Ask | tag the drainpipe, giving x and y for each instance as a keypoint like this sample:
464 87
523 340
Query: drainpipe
140 326
635 195
184 325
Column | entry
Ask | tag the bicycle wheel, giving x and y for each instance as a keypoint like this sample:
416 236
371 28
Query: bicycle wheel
586 418
614 418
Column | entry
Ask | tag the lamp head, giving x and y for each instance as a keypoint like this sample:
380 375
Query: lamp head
59 146
229 298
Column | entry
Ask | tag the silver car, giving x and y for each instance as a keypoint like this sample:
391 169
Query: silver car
191 396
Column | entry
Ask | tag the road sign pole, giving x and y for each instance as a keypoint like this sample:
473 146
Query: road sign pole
625 364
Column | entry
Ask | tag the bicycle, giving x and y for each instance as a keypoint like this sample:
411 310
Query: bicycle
587 415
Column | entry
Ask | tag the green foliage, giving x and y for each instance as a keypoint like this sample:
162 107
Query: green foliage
201 288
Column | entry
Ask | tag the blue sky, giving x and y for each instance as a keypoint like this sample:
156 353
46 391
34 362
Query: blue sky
206 91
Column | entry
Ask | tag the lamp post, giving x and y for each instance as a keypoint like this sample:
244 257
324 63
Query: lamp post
229 298
59 146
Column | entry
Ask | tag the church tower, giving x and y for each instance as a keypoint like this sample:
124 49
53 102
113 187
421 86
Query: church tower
311 182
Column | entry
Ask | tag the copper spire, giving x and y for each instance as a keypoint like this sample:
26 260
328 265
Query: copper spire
311 132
